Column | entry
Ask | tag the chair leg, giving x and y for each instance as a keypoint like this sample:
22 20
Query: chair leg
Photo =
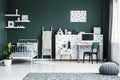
96 58
83 58
42 57
89 57
92 58
51 57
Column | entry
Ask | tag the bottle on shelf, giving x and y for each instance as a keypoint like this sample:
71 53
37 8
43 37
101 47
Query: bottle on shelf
65 31
16 11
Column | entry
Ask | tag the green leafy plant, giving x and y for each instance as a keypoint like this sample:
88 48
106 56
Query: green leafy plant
8 51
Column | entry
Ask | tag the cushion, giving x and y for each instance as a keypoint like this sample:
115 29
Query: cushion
109 68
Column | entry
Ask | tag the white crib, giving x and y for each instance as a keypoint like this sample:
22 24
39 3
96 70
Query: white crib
25 48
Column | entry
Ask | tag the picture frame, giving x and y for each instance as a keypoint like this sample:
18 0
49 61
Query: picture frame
24 17
78 16
10 23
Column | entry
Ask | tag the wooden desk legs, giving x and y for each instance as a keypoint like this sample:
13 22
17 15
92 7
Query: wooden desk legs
70 57
62 55
78 54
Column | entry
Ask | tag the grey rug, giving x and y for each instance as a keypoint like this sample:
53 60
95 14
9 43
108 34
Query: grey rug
69 76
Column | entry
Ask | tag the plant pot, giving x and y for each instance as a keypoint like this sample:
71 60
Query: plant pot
7 62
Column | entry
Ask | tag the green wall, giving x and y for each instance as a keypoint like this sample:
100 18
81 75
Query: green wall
3 33
55 13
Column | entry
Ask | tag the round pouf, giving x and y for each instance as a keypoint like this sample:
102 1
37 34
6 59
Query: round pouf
109 68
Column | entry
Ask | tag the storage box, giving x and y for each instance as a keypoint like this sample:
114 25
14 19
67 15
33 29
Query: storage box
97 30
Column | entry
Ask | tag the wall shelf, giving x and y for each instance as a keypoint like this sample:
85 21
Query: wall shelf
14 27
12 15
22 21
18 18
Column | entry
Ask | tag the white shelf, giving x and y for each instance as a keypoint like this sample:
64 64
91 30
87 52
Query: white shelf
12 15
22 21
24 18
15 27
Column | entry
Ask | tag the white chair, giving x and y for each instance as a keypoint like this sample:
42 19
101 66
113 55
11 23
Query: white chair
65 51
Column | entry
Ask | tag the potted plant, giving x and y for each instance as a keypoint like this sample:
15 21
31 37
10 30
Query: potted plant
8 55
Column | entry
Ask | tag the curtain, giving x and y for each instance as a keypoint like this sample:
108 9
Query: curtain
114 31
115 25
110 28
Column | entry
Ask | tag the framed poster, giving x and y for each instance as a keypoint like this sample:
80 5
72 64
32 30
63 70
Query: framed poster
10 23
24 17
78 16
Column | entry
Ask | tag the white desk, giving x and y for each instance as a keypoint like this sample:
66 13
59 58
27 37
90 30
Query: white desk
75 39
100 53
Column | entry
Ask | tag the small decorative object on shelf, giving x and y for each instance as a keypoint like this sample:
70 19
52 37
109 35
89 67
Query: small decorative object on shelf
60 32
18 19
81 32
97 30
21 26
16 11
69 32
65 31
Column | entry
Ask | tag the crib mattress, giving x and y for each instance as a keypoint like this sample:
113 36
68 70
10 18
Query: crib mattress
24 54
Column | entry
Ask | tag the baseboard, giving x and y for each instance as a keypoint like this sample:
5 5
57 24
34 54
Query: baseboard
45 59
73 60
1 61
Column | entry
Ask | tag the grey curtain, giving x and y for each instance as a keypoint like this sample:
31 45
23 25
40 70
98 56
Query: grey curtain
110 28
